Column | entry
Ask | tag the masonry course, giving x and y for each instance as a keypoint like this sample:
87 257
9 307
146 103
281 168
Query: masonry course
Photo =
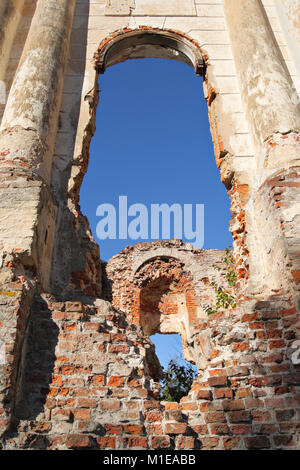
80 370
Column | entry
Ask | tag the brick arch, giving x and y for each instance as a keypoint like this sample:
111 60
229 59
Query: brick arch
162 287
135 268
145 42
164 300
108 53
167 253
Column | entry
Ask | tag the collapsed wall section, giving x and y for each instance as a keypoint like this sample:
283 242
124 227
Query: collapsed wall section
95 380
89 376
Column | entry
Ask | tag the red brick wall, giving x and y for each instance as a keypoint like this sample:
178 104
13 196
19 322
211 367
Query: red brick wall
90 379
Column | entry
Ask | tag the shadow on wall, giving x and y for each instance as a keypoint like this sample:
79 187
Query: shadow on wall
36 378
164 302
69 260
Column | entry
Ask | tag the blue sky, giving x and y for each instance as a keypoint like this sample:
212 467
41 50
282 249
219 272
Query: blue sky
153 145
168 347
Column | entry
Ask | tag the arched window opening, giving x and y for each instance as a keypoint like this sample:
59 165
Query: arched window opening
153 146
149 43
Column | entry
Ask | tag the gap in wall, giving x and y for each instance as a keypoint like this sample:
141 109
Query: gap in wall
153 144
168 347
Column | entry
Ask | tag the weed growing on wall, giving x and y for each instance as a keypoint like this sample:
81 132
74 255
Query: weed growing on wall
225 296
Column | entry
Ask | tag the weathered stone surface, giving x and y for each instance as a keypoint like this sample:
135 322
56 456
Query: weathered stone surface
166 8
80 371
266 77
10 14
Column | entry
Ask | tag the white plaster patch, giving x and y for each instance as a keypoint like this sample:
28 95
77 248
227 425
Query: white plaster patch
291 212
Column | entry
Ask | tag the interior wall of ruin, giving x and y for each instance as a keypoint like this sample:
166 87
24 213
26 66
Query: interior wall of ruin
206 24
16 19
235 145
84 329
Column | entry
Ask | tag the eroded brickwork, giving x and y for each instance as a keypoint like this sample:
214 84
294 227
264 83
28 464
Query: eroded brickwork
79 369
90 377
164 286
91 381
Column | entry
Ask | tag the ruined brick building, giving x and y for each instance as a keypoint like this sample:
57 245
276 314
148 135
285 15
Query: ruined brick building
80 370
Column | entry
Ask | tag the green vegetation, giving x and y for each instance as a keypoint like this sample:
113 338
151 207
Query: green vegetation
177 381
225 299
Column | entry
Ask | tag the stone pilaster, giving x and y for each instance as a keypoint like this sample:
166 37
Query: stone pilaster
10 13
